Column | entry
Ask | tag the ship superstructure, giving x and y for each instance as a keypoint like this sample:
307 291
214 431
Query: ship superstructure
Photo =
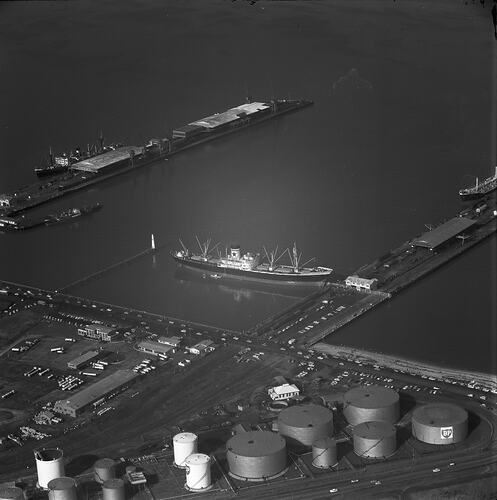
251 265
480 188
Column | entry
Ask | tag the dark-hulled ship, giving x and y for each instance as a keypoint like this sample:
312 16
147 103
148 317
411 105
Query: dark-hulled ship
480 188
251 266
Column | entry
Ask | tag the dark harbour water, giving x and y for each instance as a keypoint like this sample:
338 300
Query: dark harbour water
404 115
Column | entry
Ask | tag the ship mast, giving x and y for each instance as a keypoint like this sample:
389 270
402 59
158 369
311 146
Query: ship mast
296 257
184 247
272 257
205 247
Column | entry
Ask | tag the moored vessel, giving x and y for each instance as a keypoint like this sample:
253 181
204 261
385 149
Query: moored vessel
480 188
252 265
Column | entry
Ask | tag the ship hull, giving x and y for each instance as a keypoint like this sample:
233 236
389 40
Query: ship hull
45 172
475 196
255 275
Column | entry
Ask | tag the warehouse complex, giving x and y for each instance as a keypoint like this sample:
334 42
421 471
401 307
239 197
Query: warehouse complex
108 386
443 233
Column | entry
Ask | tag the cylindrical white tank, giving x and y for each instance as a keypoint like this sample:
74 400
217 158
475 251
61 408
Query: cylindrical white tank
375 439
198 472
113 489
62 488
324 453
184 444
371 403
49 465
11 493
440 423
103 469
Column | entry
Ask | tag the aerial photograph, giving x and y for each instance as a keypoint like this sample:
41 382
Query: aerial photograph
248 249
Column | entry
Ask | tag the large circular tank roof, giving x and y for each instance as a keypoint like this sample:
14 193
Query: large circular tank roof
374 430
372 396
256 443
310 415
440 414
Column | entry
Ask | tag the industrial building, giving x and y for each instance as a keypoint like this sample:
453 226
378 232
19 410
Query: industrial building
77 403
256 455
231 115
284 391
443 233
375 439
361 283
108 160
440 423
302 425
174 342
154 348
82 360
371 403
98 332
202 347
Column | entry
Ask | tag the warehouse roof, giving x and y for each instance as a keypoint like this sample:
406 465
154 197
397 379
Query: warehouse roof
230 115
434 238
154 346
83 358
98 162
98 389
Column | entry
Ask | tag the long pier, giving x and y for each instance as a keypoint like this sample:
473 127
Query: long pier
314 318
36 194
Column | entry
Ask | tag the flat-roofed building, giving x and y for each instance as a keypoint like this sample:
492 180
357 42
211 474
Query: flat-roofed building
98 332
443 233
361 283
281 392
154 348
188 131
82 360
107 160
106 387
231 115
202 347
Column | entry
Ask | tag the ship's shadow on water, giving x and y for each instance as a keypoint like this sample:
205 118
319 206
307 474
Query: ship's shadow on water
240 288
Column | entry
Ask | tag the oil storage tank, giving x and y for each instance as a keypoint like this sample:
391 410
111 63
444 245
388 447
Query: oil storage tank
62 488
256 455
440 423
302 425
103 469
184 444
371 404
11 493
113 489
198 472
49 465
324 453
375 439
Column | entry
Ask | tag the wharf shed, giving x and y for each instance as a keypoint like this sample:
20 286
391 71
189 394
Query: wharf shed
107 160
443 233
77 403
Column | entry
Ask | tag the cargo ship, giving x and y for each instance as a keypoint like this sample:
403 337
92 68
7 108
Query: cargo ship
251 266
10 224
480 188
84 170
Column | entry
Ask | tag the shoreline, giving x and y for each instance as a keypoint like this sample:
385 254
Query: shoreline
412 366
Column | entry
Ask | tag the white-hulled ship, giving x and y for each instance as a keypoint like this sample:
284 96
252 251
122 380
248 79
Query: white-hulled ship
480 188
251 266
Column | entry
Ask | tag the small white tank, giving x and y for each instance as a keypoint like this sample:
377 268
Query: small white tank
49 465
184 444
198 472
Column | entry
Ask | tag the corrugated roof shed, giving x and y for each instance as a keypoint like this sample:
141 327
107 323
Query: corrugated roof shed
105 159
83 358
434 238
154 346
99 389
